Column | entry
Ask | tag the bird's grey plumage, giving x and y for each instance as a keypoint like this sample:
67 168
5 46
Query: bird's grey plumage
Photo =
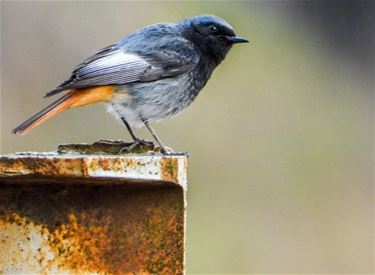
150 54
157 71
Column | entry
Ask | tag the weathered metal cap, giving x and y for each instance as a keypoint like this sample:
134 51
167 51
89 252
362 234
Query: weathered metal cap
84 210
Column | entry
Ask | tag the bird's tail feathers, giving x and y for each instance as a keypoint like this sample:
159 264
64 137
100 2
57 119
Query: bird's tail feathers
74 98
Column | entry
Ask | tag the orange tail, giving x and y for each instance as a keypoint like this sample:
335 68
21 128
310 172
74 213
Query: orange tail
74 98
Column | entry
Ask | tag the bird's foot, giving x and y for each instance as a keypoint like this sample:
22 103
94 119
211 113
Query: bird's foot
138 143
165 150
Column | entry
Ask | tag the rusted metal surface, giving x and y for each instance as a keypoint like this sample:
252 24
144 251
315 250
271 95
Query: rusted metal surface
97 214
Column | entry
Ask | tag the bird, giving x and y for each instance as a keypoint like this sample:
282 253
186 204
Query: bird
150 75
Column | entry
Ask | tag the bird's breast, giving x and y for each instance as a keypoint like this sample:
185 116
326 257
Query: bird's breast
159 99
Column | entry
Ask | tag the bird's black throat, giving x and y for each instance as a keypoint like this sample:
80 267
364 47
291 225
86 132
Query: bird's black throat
213 48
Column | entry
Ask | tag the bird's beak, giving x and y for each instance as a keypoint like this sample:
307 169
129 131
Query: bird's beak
235 40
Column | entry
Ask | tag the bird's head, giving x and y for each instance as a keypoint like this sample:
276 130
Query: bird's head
211 34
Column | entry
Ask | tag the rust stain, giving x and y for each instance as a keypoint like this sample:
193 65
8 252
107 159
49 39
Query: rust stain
70 248
79 247
49 229
114 165
104 164
45 166
169 169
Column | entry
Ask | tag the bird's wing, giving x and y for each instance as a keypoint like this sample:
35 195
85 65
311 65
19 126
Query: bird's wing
114 66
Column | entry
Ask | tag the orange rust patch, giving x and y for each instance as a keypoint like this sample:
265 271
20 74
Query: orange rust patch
169 169
70 248
114 165
79 247
103 163
51 167
81 229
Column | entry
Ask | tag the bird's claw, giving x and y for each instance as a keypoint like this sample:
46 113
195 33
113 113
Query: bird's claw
137 143
165 150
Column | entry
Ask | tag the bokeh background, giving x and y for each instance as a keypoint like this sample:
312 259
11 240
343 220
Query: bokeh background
281 173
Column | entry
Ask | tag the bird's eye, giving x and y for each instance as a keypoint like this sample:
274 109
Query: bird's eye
213 28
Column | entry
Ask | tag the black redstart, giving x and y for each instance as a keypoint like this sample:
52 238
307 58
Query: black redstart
148 76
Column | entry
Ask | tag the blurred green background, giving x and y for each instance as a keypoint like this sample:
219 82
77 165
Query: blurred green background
281 173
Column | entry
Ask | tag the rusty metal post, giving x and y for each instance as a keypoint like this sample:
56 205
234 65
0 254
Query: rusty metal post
86 211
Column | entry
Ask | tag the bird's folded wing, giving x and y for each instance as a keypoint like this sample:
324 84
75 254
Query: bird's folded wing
115 66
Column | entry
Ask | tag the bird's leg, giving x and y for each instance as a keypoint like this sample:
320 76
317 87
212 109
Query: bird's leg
130 130
153 133
136 141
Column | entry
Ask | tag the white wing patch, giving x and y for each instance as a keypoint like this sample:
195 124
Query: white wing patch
117 68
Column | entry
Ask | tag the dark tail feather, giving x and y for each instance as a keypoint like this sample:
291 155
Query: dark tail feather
48 112
62 87
54 91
